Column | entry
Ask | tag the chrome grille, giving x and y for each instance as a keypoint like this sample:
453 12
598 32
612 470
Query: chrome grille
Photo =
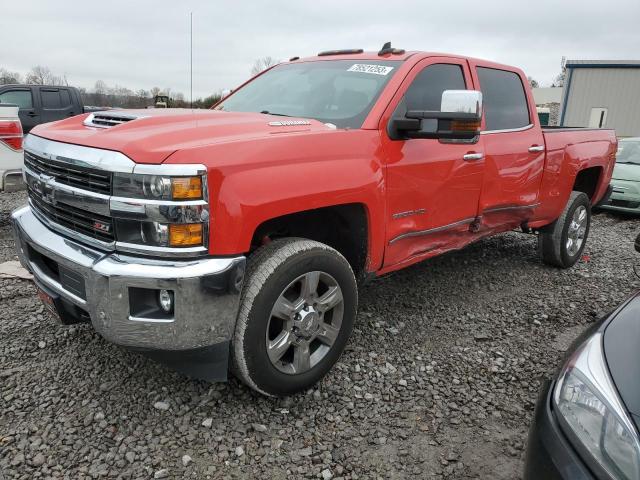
86 178
88 223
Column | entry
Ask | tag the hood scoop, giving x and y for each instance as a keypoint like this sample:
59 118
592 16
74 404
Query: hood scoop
109 119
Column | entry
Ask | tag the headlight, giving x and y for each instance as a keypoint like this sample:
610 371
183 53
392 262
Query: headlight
161 207
157 187
591 412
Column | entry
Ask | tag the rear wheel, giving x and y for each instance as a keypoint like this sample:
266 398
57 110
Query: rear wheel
562 243
296 315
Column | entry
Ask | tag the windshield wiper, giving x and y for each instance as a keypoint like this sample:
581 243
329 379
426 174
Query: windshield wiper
267 112
628 162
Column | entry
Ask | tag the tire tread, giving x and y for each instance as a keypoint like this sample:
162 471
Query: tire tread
261 265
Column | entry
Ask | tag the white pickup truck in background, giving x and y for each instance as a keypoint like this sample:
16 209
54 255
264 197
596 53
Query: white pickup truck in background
11 154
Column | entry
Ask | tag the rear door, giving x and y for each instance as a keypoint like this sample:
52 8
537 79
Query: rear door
433 186
513 147
56 104
23 97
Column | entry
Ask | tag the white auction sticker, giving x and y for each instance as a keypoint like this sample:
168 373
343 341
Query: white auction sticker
375 69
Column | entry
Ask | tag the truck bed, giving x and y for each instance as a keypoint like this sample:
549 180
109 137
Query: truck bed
590 151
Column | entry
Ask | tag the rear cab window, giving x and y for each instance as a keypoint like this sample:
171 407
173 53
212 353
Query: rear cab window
65 98
504 99
50 98
22 98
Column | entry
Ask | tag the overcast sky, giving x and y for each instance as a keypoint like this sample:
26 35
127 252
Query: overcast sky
142 44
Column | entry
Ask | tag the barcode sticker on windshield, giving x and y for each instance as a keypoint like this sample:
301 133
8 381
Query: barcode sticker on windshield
375 69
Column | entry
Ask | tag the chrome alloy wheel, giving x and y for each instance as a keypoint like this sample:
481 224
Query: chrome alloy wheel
305 322
577 230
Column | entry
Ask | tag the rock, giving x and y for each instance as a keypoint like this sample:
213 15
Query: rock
402 382
38 460
130 456
258 427
207 422
239 451
305 452
186 460
164 406
41 345
163 473
326 474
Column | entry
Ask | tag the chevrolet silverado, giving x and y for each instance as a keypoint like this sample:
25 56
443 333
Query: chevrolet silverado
235 238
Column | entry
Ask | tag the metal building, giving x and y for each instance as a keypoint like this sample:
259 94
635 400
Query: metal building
602 93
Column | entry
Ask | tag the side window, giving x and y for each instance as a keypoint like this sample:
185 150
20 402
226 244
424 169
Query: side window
425 93
22 98
50 99
505 103
65 99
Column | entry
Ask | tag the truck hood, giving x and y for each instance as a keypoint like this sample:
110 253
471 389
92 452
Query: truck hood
626 171
150 136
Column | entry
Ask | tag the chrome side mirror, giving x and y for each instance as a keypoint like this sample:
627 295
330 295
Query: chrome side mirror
462 101
458 119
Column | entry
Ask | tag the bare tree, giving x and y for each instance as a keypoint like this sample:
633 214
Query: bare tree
533 82
7 77
262 64
559 80
40 75
155 91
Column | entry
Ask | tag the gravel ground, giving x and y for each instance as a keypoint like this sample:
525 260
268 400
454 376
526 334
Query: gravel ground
439 380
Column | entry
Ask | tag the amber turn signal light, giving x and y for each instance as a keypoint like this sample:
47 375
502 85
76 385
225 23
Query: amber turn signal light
185 234
465 126
184 188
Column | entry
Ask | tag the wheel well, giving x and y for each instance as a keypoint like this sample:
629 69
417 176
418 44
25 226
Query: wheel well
587 181
343 227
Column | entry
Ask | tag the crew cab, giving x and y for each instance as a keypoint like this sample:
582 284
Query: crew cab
10 149
43 103
236 237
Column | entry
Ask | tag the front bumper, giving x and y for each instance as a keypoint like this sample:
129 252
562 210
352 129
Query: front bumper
206 290
625 197
549 454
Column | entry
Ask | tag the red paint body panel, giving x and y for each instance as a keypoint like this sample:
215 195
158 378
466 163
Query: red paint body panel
420 197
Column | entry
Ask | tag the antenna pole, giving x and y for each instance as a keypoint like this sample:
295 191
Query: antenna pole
191 58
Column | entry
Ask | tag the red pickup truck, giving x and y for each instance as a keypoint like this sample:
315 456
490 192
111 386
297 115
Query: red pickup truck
236 237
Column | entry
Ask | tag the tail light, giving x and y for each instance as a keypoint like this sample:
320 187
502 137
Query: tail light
11 133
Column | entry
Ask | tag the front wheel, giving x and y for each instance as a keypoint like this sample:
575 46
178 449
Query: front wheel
561 245
296 315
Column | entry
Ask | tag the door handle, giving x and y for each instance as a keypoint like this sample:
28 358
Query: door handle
32 114
536 148
472 156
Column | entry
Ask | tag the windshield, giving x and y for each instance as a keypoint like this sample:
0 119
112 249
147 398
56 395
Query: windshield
628 152
341 92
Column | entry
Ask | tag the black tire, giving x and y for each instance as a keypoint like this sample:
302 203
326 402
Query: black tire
270 270
552 241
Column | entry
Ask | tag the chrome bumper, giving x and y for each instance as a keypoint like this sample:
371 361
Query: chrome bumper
206 291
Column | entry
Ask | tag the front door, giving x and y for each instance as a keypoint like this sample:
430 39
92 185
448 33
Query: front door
433 186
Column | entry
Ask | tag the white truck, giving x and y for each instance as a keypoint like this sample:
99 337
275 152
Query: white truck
11 154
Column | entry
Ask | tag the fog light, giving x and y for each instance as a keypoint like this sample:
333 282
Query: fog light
165 298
